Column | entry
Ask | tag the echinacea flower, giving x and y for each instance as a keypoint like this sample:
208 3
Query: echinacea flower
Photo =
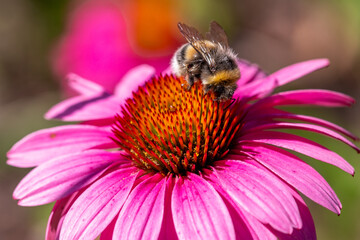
157 161
104 39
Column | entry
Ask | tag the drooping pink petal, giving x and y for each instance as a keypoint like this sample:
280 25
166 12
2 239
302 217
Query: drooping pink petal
298 70
64 175
273 113
258 193
136 77
57 216
83 108
43 145
97 206
301 145
198 210
142 214
316 97
295 172
302 126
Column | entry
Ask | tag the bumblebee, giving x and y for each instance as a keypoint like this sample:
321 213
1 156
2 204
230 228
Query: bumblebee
208 59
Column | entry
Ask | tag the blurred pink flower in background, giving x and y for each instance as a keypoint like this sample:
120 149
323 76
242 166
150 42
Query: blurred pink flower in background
176 164
106 38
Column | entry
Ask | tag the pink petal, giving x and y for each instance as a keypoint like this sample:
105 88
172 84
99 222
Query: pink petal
296 173
259 88
258 230
62 176
108 231
167 71
83 86
301 145
132 80
246 226
57 216
241 228
260 117
265 85
298 70
43 145
257 192
83 108
250 72
106 122
142 214
253 81
198 210
94 210
279 114
308 229
323 123
316 97
168 228
303 126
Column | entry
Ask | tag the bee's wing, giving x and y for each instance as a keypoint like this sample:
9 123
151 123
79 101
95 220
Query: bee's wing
196 40
217 34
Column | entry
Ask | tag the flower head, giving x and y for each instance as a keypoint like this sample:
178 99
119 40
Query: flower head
167 129
155 160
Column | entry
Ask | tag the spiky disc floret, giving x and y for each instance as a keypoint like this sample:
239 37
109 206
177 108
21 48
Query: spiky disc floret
168 129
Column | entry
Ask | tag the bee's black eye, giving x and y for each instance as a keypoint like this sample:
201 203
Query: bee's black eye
190 65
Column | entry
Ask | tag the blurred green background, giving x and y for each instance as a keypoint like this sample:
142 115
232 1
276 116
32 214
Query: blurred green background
272 33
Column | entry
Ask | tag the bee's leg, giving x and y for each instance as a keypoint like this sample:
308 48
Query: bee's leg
190 80
219 92
230 90
226 92
206 88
